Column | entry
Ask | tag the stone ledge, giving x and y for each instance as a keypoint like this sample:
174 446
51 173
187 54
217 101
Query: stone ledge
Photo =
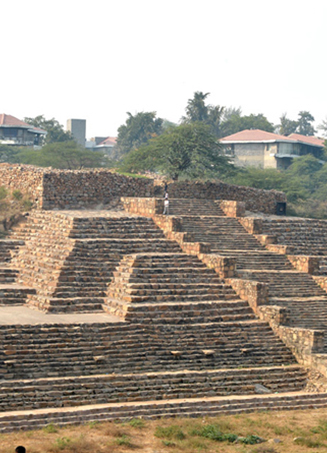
256 293
252 225
304 263
280 249
233 208
224 266
266 239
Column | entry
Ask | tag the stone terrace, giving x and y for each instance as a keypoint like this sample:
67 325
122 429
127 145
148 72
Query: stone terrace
174 330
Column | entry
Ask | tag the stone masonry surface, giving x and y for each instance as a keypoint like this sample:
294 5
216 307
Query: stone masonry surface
183 332
77 189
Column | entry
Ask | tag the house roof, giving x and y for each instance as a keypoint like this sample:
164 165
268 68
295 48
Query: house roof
310 140
109 141
8 120
11 121
254 135
257 135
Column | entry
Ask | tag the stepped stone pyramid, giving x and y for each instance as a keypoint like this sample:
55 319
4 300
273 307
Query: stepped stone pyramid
134 326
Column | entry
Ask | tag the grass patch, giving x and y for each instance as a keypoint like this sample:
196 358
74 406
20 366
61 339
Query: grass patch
182 435
310 443
125 441
51 428
62 443
170 432
137 423
17 195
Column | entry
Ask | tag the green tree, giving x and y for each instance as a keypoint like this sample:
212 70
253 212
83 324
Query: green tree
63 155
138 130
55 131
304 123
236 123
188 150
10 154
198 111
230 111
287 126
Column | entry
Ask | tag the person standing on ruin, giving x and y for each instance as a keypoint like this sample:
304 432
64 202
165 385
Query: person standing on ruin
166 205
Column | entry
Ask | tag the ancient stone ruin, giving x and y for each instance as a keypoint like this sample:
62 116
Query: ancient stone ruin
111 310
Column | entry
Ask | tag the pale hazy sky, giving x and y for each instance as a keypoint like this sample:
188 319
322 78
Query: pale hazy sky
102 58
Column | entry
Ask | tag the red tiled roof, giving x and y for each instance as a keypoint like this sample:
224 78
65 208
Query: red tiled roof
8 120
257 135
11 121
310 140
254 135
109 141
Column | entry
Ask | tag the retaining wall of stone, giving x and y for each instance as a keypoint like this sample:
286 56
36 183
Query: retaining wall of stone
256 200
26 178
74 189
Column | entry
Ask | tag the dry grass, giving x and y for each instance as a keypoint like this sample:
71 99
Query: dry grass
285 431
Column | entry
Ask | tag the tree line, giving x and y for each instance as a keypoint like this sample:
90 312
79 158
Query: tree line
189 150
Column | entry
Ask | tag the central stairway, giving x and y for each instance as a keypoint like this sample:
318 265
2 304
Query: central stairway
172 289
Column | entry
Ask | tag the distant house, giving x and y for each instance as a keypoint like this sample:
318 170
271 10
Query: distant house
257 148
16 132
106 145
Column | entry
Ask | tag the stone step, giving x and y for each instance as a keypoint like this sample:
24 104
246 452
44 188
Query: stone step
69 303
194 207
190 407
13 294
101 389
56 350
182 312
155 297
285 283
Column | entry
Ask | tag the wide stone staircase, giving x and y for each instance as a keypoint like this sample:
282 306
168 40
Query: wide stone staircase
62 366
11 292
288 287
170 289
184 342
69 260
305 236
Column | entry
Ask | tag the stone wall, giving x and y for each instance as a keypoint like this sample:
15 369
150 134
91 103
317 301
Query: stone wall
74 189
256 200
26 178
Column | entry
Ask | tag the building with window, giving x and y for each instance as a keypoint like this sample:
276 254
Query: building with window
257 148
16 132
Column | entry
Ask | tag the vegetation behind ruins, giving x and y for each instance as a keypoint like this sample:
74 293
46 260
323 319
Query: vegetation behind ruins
12 205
